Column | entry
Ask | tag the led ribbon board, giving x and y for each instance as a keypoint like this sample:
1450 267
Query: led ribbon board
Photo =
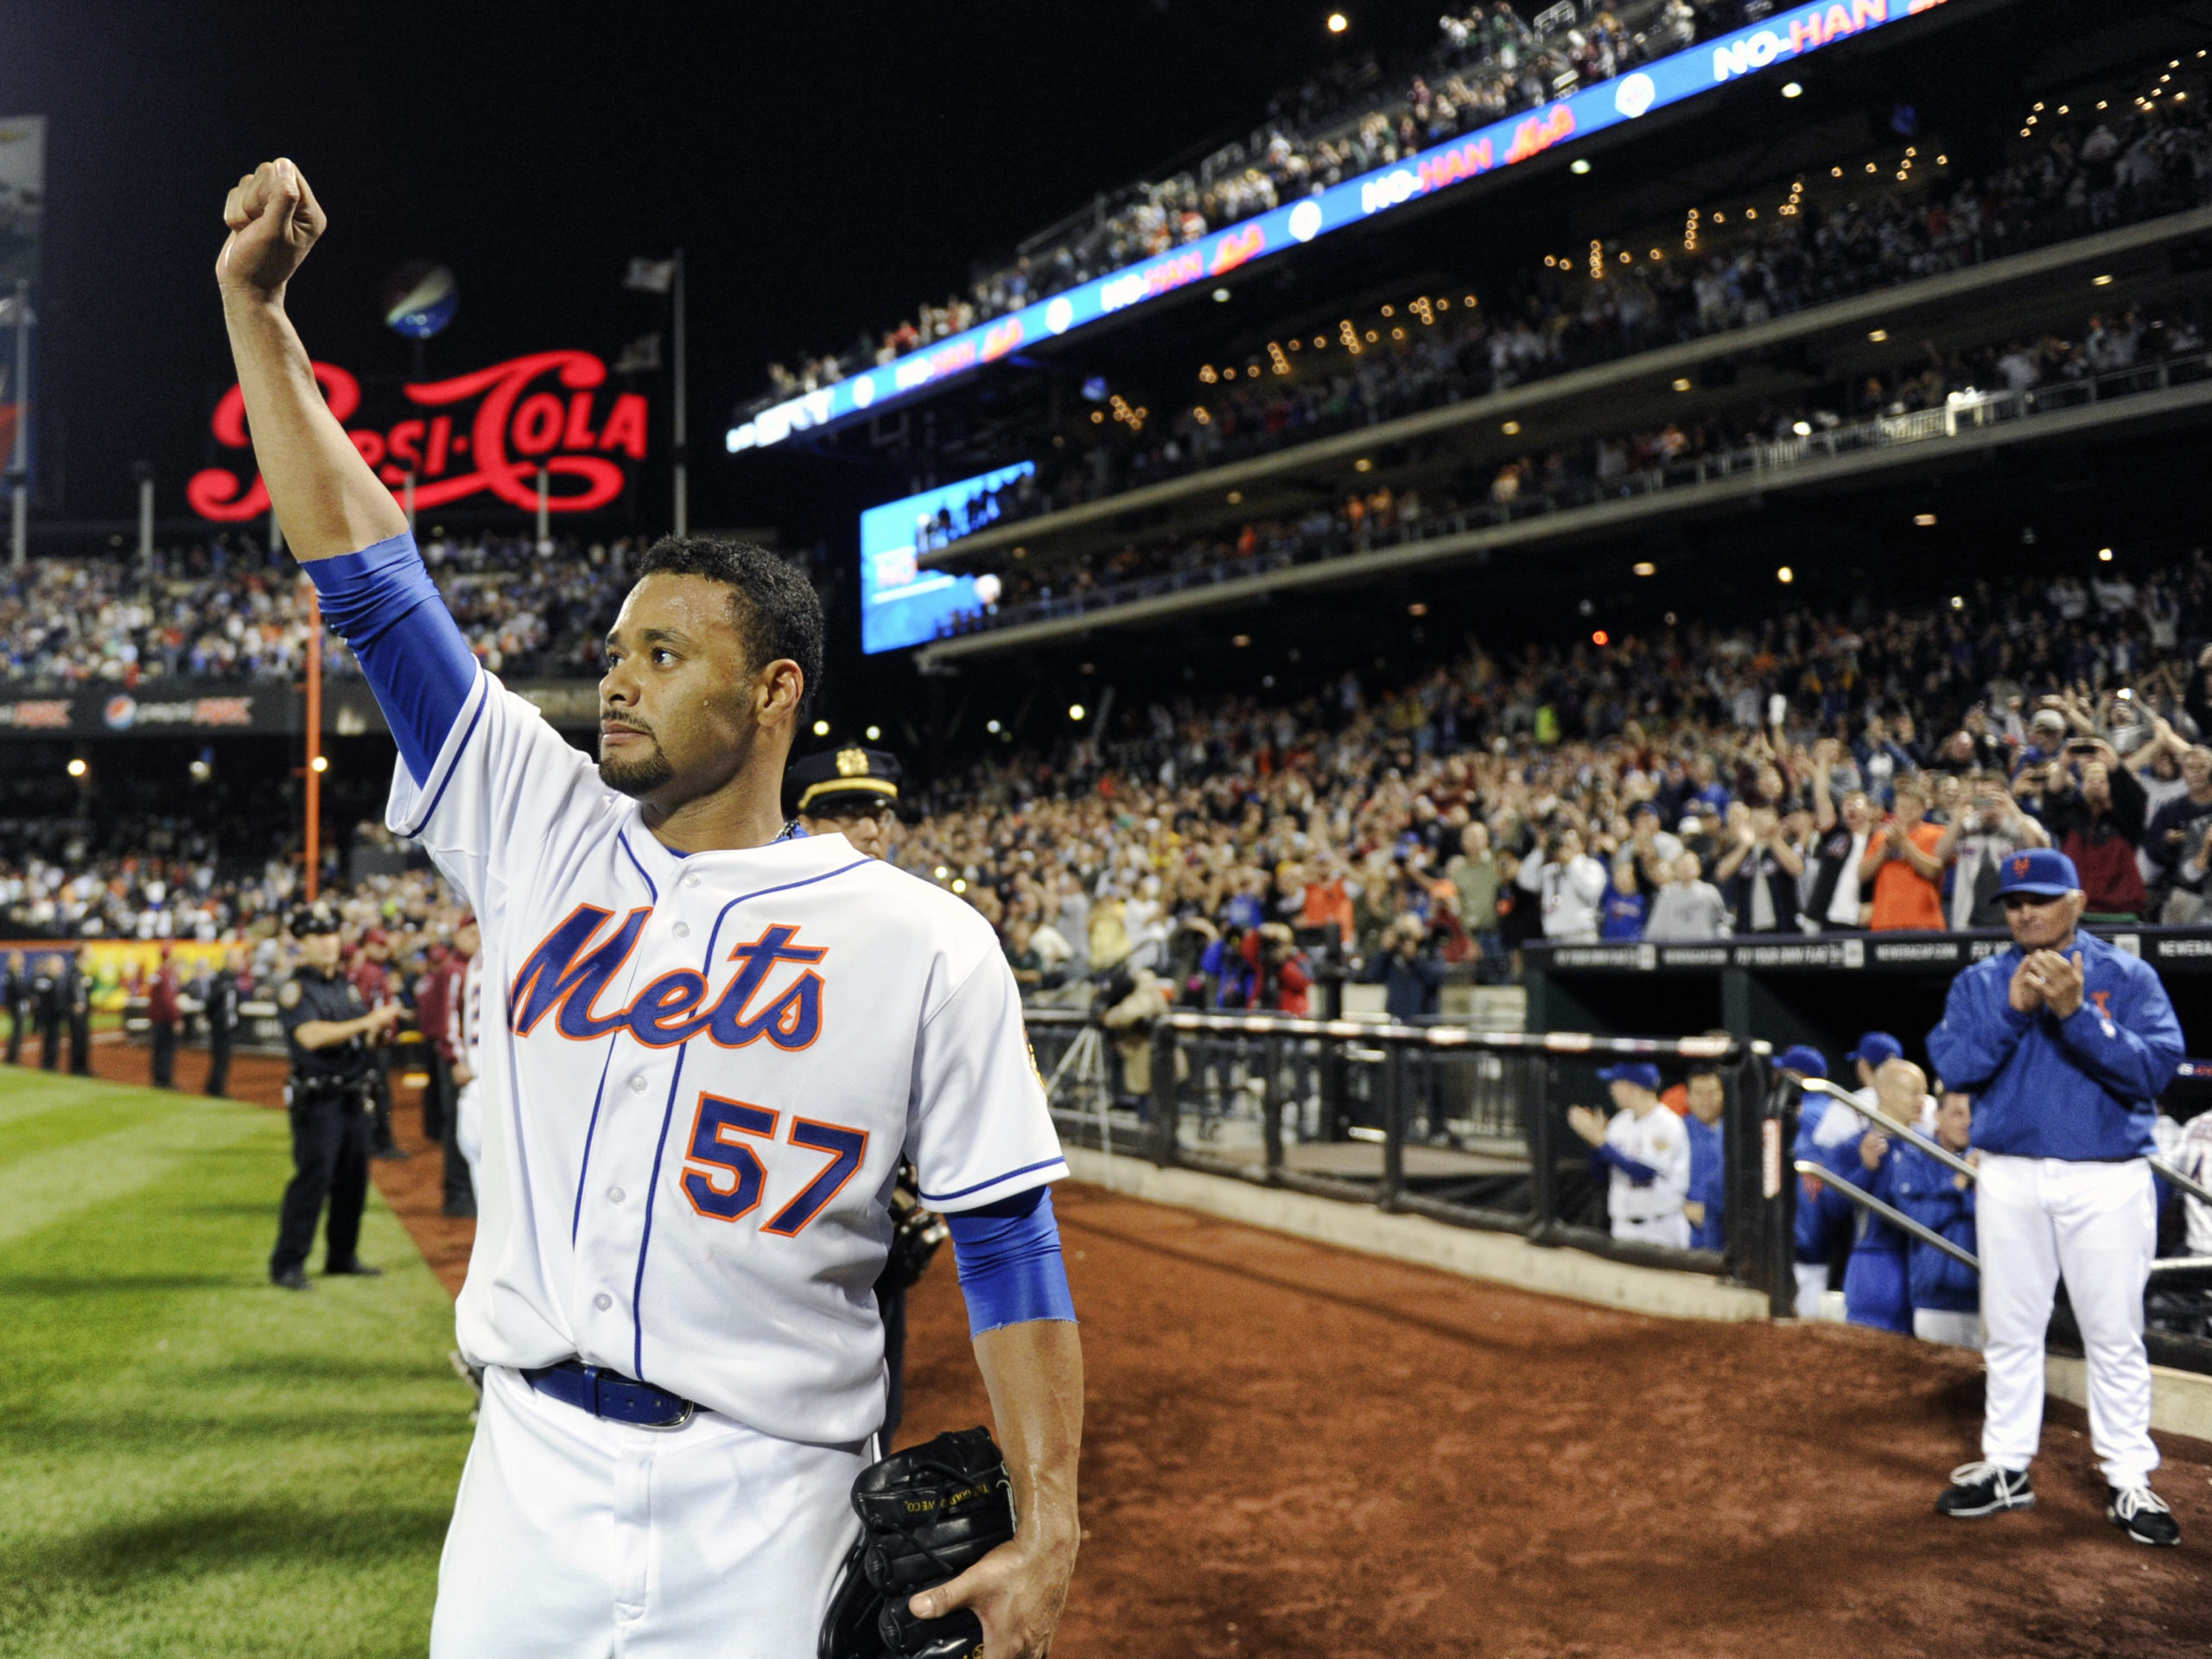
1787 34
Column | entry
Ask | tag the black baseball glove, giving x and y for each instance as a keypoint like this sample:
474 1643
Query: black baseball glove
927 1515
915 1236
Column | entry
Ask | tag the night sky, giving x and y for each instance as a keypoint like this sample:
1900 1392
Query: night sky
824 167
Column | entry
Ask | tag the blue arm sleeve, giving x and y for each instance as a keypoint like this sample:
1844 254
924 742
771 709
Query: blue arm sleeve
1011 1269
1638 1171
1979 1031
382 603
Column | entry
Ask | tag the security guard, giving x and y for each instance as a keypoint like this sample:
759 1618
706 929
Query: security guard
16 983
326 1030
853 792
76 995
220 1009
46 993
2067 1042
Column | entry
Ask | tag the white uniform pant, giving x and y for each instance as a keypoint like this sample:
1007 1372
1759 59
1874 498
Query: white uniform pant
576 1538
1673 1229
2097 1225
468 1123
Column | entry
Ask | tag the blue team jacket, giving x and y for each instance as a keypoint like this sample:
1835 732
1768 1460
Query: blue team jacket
2083 1089
1924 1189
1708 1185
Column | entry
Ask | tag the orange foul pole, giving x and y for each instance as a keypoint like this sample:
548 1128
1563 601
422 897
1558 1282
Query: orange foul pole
315 742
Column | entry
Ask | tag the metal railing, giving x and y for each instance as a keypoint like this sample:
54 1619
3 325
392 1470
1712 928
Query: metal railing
1464 1126
1965 414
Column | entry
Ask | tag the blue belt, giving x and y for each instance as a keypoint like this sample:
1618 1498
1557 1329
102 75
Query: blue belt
612 1396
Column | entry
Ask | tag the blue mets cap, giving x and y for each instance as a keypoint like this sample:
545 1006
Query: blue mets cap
1877 1046
1642 1073
1804 1060
2042 871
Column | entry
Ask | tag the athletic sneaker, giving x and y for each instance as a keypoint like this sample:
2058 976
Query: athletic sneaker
1979 1489
2142 1515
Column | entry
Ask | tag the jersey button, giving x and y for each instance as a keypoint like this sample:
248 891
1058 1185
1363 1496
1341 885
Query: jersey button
682 930
615 1195
692 881
638 1085
602 1301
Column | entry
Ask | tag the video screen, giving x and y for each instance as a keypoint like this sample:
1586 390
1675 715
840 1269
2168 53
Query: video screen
902 603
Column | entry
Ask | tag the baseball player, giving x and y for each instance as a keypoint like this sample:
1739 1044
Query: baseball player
1946 1294
704 1048
1877 1290
1705 1208
1645 1152
2067 1042
1828 1133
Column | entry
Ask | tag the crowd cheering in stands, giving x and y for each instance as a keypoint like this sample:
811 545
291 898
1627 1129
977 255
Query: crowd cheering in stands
224 611
1487 64
2107 170
1809 773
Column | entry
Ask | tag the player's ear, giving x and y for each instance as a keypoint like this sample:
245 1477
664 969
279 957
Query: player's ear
778 690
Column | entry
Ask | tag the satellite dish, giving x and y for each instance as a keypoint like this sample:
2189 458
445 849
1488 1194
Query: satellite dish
420 299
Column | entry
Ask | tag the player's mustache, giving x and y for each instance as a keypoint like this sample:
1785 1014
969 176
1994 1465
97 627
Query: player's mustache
616 722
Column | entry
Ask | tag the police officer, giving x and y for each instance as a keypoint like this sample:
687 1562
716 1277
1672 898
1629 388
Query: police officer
220 1006
2067 1043
46 993
75 995
16 985
326 1029
853 792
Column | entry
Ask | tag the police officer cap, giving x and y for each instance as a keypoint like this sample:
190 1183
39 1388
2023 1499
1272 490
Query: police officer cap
1642 1073
1803 1058
1876 1048
835 777
317 917
2039 872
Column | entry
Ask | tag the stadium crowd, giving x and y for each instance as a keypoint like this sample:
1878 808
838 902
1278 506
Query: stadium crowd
2073 180
223 610
1670 455
1486 64
1809 772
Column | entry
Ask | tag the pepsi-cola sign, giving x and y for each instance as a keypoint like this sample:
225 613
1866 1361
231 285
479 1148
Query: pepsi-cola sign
546 409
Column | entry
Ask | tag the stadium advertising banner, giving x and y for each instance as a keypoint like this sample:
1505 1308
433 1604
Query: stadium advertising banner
481 434
22 209
165 708
1788 34
902 604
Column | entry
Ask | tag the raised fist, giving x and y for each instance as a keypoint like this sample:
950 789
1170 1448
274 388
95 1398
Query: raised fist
274 220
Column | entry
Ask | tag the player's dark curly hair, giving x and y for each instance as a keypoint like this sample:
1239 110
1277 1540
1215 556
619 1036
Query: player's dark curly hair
777 612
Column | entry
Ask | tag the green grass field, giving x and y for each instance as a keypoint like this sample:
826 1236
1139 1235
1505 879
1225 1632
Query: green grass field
191 1461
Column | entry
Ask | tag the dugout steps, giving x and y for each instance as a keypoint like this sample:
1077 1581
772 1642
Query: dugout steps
2181 1400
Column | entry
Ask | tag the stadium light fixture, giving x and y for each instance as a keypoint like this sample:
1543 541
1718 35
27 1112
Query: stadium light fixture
2104 554
1925 520
77 767
1580 164
822 729
2104 281
1338 22
1877 335
1802 428
874 733
1511 428
1417 609
321 763
1645 568
1236 498
1221 296
1363 465
1600 637
1958 601
1794 89
1682 383
992 726
1074 711
1240 641
1785 576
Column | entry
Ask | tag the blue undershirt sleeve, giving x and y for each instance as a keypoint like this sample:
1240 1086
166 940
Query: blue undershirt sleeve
1011 1267
1638 1171
382 603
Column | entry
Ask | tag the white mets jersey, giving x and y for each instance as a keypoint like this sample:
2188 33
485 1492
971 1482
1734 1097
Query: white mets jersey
699 1075
1660 1142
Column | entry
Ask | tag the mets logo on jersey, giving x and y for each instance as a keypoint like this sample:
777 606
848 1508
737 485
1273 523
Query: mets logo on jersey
565 976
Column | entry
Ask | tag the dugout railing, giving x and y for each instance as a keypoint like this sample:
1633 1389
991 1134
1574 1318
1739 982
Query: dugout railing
1464 1126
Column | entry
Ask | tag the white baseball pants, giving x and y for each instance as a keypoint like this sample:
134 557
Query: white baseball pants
2097 1225
1673 1229
468 1123
576 1538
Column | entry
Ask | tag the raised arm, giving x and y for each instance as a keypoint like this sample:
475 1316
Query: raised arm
326 499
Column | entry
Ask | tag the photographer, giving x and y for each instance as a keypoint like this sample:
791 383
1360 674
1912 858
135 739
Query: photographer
2093 806
1758 875
1409 969
1977 842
